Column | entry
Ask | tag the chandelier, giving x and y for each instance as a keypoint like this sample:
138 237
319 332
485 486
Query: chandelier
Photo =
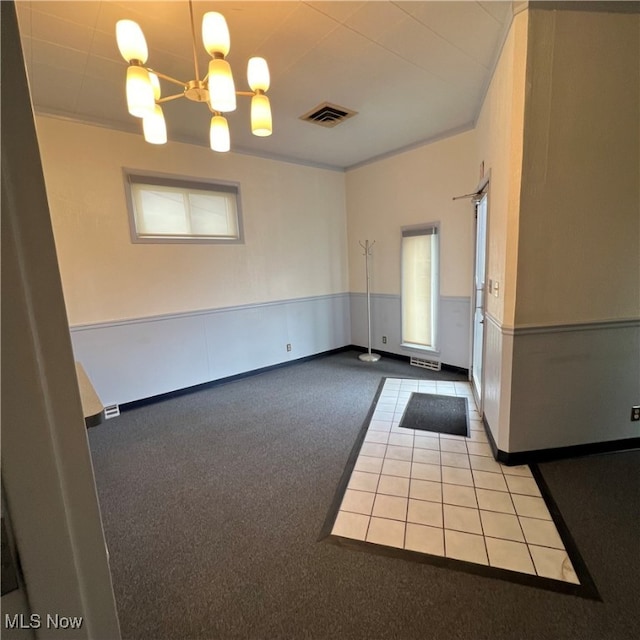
216 89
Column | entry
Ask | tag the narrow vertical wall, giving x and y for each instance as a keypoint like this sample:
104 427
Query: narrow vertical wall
499 135
577 311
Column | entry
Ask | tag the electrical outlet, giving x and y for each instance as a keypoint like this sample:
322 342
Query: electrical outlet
635 414
384 339
288 347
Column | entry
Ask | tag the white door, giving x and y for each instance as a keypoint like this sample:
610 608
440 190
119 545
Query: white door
479 295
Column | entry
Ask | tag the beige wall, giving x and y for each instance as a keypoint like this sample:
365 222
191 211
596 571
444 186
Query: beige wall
294 222
579 257
414 187
499 132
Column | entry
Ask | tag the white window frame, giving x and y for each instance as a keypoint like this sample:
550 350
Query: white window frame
427 229
132 176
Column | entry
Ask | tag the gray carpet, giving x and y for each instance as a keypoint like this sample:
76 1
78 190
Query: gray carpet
212 505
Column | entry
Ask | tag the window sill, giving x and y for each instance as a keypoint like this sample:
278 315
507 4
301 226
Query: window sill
422 350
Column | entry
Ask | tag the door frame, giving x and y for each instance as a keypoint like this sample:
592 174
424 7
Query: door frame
47 474
484 189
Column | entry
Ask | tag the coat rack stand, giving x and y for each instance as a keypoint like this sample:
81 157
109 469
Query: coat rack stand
368 357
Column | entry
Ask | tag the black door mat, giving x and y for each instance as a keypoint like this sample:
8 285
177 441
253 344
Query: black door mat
440 414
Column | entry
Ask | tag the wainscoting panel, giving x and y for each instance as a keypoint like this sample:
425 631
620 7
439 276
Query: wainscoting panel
315 326
133 360
574 385
498 349
240 340
385 321
455 331
144 357
454 326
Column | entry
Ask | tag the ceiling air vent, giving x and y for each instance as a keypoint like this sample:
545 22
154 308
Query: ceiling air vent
328 115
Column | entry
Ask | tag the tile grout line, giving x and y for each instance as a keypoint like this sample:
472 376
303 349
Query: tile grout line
444 535
379 474
411 478
526 542
535 568
406 513
484 537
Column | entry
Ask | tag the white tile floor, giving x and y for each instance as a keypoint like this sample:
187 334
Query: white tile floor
445 495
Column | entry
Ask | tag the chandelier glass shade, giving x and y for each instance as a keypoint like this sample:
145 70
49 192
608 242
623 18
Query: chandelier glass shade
154 126
216 89
215 34
260 115
219 134
222 90
258 74
131 41
140 98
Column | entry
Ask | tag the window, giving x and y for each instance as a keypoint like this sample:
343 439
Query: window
167 209
419 286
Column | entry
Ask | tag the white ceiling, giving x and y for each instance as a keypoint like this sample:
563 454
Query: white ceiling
413 71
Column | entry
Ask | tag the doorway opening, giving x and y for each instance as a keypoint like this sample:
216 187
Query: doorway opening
479 278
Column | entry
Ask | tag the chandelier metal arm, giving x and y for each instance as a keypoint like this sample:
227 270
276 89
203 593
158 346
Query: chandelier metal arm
193 40
164 76
169 98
